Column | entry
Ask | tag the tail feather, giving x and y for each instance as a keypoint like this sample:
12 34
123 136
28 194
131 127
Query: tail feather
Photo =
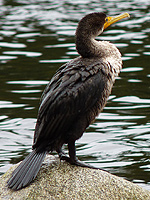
26 171
25 174
32 173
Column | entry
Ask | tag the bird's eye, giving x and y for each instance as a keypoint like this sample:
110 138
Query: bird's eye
106 19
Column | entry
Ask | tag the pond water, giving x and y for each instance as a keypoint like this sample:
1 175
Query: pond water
37 37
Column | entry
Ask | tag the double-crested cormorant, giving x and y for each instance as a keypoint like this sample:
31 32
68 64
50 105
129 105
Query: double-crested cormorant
76 94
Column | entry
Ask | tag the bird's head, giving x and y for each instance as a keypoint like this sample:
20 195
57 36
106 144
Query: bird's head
93 24
90 27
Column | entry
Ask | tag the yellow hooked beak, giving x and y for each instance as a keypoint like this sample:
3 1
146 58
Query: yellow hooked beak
112 20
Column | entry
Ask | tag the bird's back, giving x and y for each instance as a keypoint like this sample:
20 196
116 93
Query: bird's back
78 90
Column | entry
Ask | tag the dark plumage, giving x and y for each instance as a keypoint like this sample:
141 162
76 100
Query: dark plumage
76 94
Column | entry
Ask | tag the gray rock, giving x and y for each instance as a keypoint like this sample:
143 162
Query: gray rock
60 180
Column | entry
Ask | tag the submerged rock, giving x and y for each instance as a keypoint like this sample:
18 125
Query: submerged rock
60 180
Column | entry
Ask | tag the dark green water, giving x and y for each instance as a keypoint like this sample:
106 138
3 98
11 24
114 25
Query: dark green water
36 37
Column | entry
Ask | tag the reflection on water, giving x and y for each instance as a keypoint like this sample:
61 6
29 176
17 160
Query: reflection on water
36 37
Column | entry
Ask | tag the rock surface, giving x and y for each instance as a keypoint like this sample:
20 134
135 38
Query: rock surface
60 180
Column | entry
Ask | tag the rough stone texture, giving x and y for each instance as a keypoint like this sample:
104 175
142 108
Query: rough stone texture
60 180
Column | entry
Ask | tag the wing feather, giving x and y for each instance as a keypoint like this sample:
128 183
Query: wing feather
70 94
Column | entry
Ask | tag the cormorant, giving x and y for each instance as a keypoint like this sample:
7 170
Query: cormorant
76 94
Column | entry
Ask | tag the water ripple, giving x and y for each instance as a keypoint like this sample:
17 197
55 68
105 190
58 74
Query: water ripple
8 104
28 54
132 99
36 37
12 45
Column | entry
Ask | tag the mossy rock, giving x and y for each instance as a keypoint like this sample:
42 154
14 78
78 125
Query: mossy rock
60 180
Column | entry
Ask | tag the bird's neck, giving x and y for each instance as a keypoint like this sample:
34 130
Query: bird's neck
88 47
100 51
